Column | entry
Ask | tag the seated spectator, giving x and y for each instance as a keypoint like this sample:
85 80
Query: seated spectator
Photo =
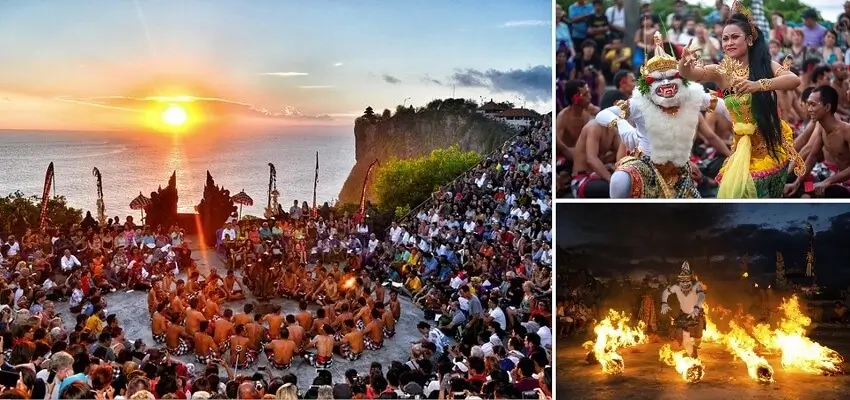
617 57
643 38
625 85
589 69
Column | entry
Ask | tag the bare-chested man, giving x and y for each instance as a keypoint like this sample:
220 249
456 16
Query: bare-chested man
841 85
206 349
833 140
395 306
351 345
229 282
212 309
275 321
241 355
324 344
319 322
388 320
571 120
280 351
246 316
255 333
373 333
159 323
193 317
304 317
223 329
177 341
593 158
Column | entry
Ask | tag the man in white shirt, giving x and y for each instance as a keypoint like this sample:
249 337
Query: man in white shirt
14 246
228 231
69 261
616 15
544 331
495 313
395 232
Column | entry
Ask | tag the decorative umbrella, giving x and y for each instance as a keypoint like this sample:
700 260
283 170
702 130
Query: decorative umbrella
139 203
242 199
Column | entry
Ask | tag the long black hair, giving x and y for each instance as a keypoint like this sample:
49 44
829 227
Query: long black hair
763 104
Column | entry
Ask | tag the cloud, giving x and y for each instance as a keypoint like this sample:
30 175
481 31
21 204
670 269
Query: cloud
350 114
525 23
390 79
316 86
339 64
212 105
429 79
534 83
285 74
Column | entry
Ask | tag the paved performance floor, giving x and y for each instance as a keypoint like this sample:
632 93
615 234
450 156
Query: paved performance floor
646 377
131 309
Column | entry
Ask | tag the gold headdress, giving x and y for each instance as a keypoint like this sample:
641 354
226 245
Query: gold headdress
661 61
738 8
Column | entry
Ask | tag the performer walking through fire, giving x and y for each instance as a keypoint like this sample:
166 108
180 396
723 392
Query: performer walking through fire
691 322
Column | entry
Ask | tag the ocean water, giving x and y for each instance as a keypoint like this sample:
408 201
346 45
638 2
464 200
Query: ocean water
133 163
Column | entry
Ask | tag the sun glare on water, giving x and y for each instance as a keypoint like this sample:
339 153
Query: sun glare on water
174 116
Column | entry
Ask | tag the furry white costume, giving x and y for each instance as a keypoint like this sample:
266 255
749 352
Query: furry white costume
658 125
691 321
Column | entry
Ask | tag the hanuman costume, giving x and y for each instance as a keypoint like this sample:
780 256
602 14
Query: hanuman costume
658 125
691 322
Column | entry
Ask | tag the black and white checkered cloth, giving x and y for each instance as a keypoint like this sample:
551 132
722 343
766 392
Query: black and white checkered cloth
757 10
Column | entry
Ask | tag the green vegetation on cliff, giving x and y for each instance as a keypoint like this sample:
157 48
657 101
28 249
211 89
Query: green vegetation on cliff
409 132
19 212
403 184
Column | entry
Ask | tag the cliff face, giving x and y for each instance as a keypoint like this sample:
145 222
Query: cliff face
410 134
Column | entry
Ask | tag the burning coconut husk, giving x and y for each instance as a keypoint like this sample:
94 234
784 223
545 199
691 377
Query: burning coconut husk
690 369
798 351
614 333
742 346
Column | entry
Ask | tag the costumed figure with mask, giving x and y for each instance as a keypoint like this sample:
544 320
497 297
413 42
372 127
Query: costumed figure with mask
658 125
763 145
690 323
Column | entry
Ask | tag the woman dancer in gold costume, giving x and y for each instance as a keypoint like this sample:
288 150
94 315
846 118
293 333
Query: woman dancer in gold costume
763 143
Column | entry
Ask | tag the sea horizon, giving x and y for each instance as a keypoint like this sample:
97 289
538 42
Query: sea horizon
140 161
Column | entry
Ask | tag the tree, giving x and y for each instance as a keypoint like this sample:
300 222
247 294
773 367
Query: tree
163 208
369 113
386 114
214 209
19 212
406 183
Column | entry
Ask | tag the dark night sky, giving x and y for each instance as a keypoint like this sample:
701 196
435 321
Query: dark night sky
628 236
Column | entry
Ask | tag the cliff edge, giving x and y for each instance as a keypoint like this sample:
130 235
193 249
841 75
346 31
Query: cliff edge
410 133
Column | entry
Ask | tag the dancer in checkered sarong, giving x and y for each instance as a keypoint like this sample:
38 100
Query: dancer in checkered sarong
280 351
324 344
159 324
183 347
241 356
205 347
351 345
373 333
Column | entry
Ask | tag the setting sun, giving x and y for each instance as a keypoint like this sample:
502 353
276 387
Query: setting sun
174 116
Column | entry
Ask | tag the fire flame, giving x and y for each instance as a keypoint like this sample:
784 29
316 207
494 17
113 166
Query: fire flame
711 333
798 351
613 333
742 345
691 369
349 283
